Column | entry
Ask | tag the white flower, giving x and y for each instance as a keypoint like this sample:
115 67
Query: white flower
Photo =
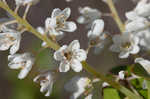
142 9
88 15
46 82
105 84
96 35
136 25
145 63
10 39
96 29
89 96
126 44
58 23
70 56
77 85
121 75
21 61
24 2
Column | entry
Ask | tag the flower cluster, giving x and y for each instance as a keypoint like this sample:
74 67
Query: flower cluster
132 41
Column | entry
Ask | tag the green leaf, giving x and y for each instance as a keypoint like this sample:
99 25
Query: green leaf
111 93
138 70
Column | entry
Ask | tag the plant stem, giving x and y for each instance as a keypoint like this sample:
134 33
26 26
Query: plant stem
55 46
29 27
148 86
115 15
116 85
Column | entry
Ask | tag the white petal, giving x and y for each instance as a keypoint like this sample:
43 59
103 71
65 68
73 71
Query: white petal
55 12
135 49
76 65
66 12
70 27
124 55
58 55
96 28
121 75
15 47
49 89
131 15
74 45
23 73
80 55
41 30
64 66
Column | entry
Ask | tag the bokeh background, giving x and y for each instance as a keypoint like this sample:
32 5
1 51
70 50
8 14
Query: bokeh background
12 88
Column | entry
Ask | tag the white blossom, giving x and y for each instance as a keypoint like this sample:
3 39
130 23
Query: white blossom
77 85
24 2
46 82
142 9
96 35
21 61
10 39
137 24
88 15
145 63
121 75
126 44
58 23
105 84
89 96
70 56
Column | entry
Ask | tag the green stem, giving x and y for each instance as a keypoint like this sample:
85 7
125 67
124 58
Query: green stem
115 15
116 85
28 26
55 46
148 86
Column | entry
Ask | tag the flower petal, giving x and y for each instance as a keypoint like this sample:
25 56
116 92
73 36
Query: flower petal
74 45
64 66
76 65
80 55
96 28
124 55
58 55
135 49
70 27
15 47
55 12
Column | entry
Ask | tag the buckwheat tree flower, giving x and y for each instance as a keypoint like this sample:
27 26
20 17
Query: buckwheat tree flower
105 84
96 35
136 24
77 85
21 61
145 63
121 75
142 9
24 2
70 56
57 23
46 82
126 44
88 15
10 39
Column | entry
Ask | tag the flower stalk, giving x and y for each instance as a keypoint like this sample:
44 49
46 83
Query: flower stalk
115 15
